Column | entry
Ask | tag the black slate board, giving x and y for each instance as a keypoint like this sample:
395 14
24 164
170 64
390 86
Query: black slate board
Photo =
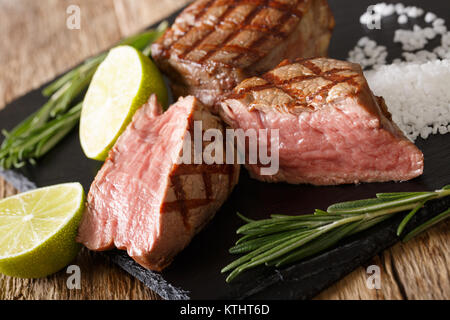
195 273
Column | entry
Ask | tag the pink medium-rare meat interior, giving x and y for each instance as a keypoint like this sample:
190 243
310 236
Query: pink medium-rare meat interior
332 129
122 188
146 202
338 144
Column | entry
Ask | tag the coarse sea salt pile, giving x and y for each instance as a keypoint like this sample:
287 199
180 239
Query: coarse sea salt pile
369 54
417 94
416 86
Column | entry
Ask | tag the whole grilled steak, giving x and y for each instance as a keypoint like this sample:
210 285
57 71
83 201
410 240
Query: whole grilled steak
332 130
215 44
144 202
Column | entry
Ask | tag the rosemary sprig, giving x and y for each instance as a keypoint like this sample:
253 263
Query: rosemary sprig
440 217
45 128
283 240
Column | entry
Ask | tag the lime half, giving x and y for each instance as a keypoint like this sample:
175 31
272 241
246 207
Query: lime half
121 84
38 230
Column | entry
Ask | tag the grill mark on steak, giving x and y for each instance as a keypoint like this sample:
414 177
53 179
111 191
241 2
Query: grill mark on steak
322 91
243 91
208 185
206 171
187 169
274 81
273 4
335 80
191 204
288 10
211 30
181 203
192 47
325 75
240 50
285 84
336 142
310 66
203 9
237 39
277 32
266 30
235 33
158 210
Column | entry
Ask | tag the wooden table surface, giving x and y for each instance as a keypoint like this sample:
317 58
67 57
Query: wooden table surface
36 46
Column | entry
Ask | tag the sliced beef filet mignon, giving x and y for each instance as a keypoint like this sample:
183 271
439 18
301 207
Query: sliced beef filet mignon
144 202
215 44
332 130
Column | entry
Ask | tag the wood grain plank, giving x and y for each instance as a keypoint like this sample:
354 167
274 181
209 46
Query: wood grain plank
418 269
39 46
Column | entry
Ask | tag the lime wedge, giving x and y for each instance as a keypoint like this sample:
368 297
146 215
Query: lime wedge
121 84
38 230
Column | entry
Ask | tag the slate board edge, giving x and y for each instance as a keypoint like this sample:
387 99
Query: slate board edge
282 283
151 279
156 282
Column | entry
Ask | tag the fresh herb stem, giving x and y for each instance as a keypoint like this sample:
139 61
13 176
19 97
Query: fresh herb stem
441 217
263 248
320 244
40 132
405 221
376 204
283 239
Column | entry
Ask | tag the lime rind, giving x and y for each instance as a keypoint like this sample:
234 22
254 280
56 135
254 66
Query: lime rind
57 249
121 85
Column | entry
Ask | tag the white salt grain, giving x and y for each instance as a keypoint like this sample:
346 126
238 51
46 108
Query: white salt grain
368 53
377 12
414 12
438 22
440 29
417 91
363 41
421 56
430 17
399 8
413 41
384 9
402 19
388 10
417 95
429 33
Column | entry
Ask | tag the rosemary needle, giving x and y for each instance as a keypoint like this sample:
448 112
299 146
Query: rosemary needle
441 217
405 221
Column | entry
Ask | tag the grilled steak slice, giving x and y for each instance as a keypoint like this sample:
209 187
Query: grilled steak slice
332 130
215 44
144 202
